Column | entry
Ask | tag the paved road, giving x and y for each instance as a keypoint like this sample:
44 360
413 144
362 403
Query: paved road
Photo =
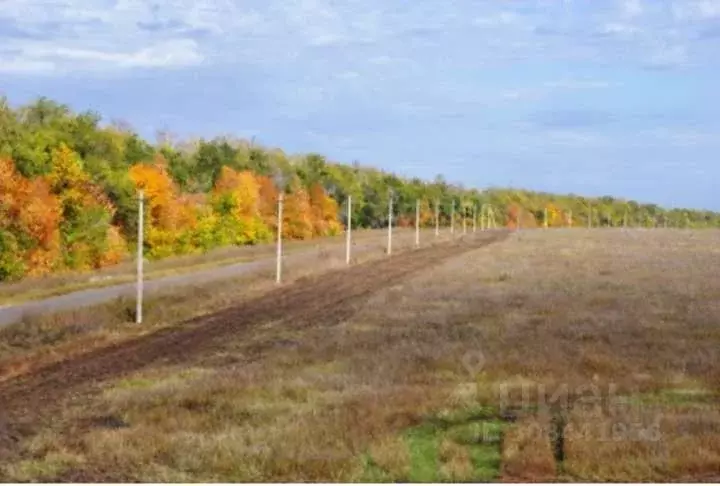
83 298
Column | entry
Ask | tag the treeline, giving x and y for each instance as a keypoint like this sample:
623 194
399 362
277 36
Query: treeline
68 194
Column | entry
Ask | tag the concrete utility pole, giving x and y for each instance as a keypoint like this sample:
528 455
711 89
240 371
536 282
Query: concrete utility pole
278 256
348 232
417 223
140 256
390 215
570 220
452 219
437 218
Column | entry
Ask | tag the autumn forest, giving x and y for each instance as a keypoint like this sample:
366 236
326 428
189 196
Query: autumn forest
69 185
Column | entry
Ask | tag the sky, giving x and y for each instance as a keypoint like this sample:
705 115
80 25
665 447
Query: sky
593 97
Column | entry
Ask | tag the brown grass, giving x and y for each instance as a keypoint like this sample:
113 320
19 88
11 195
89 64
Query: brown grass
455 463
392 455
527 453
550 329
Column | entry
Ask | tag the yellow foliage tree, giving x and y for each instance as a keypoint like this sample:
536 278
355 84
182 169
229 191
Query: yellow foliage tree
324 212
427 213
243 190
236 197
555 216
89 240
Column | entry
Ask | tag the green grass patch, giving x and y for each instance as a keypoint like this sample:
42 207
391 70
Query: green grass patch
423 443
454 445
474 433
486 459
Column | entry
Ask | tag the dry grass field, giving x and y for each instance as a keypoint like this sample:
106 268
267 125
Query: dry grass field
557 355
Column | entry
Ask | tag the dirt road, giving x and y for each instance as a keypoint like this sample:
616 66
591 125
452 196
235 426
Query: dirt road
323 300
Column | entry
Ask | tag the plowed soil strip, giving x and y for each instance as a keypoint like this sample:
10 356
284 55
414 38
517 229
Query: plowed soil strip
324 300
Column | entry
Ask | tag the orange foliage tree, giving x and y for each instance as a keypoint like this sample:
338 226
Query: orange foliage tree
526 218
324 212
29 224
172 219
267 204
297 213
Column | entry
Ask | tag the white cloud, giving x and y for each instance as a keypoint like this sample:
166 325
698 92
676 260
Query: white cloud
497 19
322 23
327 39
547 88
348 75
390 61
512 94
412 108
523 94
631 8
130 34
381 60
579 84
574 138
11 65
47 57
91 35
619 29
166 54
696 9
682 137
668 57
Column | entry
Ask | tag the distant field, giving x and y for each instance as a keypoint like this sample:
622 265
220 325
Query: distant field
557 355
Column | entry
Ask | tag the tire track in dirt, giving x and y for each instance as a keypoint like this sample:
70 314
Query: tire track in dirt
322 300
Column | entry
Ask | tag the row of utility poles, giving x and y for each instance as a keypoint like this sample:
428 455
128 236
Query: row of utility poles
490 223
487 221
591 213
